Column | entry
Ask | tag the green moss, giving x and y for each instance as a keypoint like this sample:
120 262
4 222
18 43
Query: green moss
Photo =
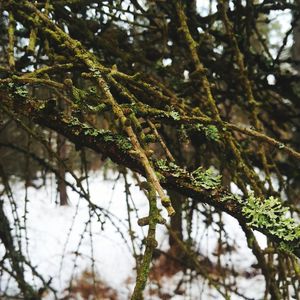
270 214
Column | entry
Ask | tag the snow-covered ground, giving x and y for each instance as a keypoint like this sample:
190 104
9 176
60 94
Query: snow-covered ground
56 234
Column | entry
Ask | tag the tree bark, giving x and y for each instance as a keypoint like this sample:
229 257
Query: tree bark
61 183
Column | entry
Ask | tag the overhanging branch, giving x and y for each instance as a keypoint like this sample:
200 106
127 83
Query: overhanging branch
119 149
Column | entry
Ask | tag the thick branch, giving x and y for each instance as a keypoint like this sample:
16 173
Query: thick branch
119 149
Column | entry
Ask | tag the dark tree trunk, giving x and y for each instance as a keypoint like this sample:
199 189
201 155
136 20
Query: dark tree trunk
15 256
296 46
176 222
61 184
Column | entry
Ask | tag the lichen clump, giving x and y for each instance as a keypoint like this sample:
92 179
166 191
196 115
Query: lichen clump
200 178
271 215
171 167
206 179
106 135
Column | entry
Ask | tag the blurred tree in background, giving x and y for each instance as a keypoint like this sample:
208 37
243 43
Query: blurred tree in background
203 103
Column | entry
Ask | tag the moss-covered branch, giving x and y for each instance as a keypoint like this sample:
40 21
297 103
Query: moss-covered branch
200 184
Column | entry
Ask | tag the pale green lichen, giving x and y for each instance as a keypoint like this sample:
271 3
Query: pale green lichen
171 167
21 91
206 178
160 177
284 247
174 115
231 197
200 178
107 136
97 109
92 90
149 138
271 215
78 95
210 131
16 89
